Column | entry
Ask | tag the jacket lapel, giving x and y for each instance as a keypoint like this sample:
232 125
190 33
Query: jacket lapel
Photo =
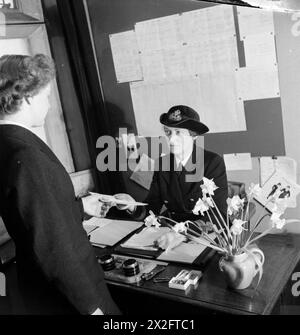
197 157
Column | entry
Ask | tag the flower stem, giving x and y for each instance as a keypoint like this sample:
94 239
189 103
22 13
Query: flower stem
257 224
258 237
206 236
207 244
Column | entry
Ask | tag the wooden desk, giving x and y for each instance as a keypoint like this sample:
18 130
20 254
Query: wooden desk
282 254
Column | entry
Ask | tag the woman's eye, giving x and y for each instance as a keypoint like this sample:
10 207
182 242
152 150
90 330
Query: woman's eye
178 132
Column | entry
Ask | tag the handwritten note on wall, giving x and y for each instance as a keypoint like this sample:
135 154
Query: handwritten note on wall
126 56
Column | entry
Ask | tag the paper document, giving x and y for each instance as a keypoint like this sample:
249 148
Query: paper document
281 188
257 83
255 21
260 50
145 239
238 161
126 56
89 228
185 253
111 232
287 167
111 198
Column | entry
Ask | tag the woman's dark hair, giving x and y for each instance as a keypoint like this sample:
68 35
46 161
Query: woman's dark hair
22 77
193 133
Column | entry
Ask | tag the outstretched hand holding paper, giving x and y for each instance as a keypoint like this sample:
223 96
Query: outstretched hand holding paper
118 200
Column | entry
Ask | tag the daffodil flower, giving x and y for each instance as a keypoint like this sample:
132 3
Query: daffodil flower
255 190
279 206
234 204
151 220
208 201
277 222
200 207
208 186
237 227
180 227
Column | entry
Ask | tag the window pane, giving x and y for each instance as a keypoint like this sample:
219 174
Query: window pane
21 11
30 40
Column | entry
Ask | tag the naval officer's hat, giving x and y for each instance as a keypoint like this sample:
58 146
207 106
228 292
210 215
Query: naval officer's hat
184 117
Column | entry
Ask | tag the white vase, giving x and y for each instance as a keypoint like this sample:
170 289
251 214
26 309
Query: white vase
240 270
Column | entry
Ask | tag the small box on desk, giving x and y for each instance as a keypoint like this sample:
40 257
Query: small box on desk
184 279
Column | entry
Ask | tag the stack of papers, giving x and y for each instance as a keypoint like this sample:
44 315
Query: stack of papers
109 232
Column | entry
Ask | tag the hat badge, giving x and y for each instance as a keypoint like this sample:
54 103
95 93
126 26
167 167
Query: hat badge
175 116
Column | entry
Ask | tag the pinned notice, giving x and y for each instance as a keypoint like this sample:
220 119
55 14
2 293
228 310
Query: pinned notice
238 161
126 56
286 165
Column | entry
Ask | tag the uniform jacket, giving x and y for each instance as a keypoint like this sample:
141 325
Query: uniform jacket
57 267
171 189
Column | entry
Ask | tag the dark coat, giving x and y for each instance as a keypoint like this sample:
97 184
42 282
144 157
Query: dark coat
171 189
57 268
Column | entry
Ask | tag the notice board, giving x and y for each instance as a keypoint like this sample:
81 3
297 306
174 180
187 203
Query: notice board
263 134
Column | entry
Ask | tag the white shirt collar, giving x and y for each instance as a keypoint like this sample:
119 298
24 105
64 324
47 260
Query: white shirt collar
7 122
185 160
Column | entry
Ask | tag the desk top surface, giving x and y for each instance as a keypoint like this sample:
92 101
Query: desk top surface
282 253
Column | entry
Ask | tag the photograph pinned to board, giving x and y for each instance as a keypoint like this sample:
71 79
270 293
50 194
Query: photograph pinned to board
286 165
278 187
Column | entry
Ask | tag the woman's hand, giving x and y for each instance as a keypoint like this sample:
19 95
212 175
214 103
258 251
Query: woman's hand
93 206
126 197
170 240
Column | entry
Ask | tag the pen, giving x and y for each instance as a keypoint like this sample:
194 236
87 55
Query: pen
162 280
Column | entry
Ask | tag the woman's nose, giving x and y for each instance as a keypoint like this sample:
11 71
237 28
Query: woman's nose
173 139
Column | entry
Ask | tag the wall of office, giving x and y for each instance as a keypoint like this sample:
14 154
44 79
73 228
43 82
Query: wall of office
287 30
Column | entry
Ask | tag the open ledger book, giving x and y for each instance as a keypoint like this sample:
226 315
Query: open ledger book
106 232
186 252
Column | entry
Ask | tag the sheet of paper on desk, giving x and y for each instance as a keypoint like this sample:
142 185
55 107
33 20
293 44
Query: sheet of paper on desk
111 232
145 238
89 228
97 222
185 253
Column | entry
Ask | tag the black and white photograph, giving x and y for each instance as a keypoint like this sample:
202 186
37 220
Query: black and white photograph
149 160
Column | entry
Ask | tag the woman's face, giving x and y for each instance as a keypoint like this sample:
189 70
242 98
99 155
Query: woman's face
39 107
180 140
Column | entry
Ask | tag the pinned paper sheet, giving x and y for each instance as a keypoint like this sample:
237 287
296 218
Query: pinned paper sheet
257 83
213 96
126 56
238 161
280 187
111 232
260 50
158 34
199 25
287 167
254 21
153 66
